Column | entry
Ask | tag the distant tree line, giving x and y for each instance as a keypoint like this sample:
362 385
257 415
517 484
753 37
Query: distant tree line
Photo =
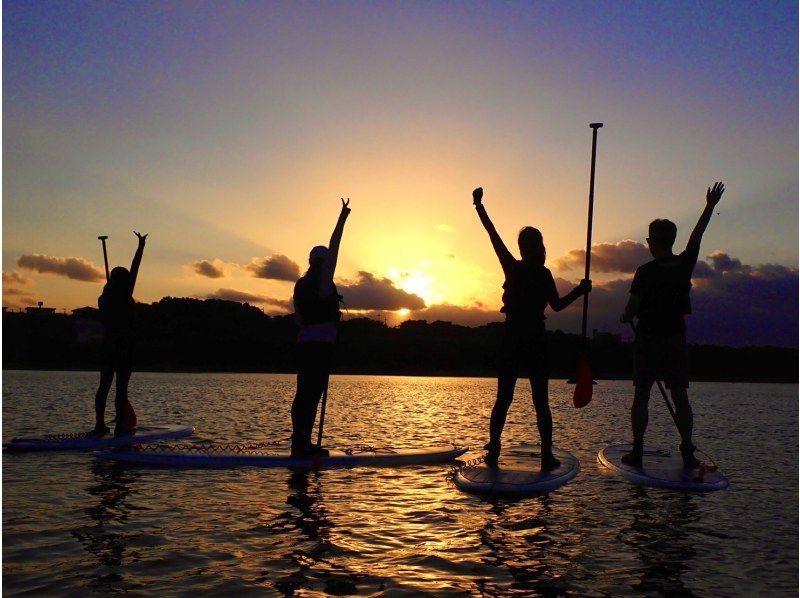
179 334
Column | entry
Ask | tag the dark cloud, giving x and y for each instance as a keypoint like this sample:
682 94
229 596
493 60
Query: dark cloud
742 305
624 256
370 292
75 268
207 269
745 305
274 267
722 262
14 277
245 297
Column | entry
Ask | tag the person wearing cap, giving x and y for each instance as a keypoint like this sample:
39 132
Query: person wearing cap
528 289
316 307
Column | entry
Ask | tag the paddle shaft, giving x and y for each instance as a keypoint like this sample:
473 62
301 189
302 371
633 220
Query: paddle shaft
322 415
594 127
105 254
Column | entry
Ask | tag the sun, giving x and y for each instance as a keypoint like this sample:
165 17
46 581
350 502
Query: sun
417 283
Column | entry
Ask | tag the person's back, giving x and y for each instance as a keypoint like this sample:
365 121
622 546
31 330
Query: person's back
525 291
659 297
663 285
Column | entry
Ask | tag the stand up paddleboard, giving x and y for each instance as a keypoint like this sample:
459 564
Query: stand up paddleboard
84 440
662 469
517 473
224 456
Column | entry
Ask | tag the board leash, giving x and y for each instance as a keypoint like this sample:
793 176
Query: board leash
450 476
215 448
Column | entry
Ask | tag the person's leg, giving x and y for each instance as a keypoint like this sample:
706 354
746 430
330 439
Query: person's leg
639 418
301 433
677 380
685 422
544 419
121 398
539 379
312 376
100 398
506 380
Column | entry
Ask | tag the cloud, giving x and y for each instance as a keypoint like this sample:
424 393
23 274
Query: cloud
245 297
15 277
738 306
274 267
17 298
722 262
208 269
369 292
444 228
75 268
624 256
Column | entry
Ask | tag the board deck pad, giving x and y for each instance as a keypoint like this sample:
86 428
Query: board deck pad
518 472
661 469
84 440
208 457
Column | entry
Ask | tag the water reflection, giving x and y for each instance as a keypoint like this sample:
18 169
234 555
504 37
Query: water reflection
105 537
518 537
660 535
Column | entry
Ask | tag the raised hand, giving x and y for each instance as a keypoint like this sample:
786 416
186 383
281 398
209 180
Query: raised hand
477 196
585 286
142 238
345 204
714 194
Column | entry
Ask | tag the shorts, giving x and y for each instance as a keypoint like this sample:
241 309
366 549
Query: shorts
523 345
660 358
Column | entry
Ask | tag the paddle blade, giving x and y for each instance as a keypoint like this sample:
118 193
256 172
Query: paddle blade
583 383
128 417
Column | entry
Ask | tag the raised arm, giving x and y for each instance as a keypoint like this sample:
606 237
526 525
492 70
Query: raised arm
329 267
504 255
558 303
713 196
137 259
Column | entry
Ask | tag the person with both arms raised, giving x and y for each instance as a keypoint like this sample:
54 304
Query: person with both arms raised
528 289
117 308
659 296
316 305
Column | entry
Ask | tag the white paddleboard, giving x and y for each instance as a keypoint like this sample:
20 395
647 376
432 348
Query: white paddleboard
208 456
84 440
661 469
518 472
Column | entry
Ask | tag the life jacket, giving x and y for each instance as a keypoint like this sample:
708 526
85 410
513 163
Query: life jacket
524 292
312 308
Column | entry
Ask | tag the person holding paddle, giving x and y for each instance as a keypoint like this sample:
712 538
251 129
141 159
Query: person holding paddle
528 289
316 305
659 296
117 317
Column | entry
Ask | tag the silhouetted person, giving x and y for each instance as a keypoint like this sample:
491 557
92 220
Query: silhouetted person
659 296
117 316
528 288
316 306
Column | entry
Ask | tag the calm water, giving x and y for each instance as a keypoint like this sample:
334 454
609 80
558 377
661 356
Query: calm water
76 526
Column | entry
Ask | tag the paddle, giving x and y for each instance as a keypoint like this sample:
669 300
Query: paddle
105 255
584 381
